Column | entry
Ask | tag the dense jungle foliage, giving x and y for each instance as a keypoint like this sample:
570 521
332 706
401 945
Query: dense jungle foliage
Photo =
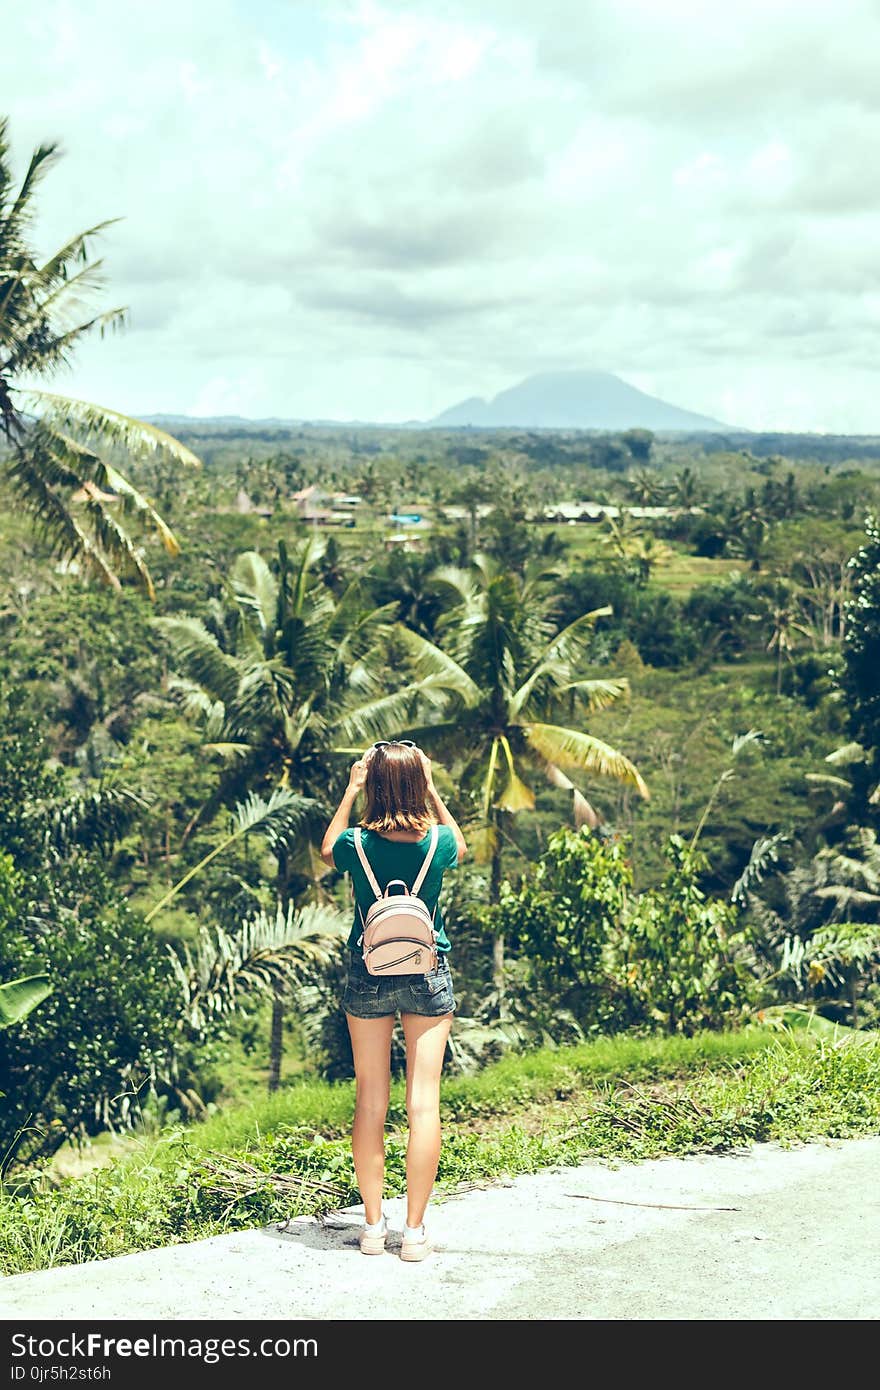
646 670
167 764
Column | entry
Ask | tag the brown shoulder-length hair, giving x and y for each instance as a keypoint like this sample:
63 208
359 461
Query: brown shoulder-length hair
396 791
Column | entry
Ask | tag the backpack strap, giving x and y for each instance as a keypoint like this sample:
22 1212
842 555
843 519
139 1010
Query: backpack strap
365 863
423 871
421 875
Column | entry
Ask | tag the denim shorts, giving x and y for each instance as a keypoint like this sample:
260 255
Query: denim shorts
371 996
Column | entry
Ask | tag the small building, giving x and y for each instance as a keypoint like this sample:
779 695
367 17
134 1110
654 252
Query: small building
601 511
309 500
322 516
573 512
457 513
405 541
245 507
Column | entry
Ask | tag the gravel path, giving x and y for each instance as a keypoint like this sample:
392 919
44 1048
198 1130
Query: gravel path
802 1242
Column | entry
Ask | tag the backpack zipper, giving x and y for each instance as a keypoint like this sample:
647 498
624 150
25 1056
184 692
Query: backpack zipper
400 959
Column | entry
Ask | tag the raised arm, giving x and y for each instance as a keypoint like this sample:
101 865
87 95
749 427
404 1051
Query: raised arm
342 814
441 810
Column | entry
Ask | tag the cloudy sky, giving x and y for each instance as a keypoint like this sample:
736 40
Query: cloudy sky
370 210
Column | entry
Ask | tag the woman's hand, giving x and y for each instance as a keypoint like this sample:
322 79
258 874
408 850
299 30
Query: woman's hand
357 775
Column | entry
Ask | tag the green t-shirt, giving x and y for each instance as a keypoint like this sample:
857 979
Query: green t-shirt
396 859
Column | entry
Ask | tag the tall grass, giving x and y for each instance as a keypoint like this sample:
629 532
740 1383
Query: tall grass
513 1080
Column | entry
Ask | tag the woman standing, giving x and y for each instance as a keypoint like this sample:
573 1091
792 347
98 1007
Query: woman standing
401 806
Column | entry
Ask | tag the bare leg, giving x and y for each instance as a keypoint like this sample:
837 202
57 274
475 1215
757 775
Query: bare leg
371 1047
425 1046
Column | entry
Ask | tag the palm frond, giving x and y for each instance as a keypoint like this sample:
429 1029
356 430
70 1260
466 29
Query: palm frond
266 693
741 741
474 1041
95 821
26 300
279 817
270 949
515 795
460 582
382 717
430 663
356 636
599 694
572 642
846 755
41 161
55 271
824 779
18 997
489 780
136 437
572 748
196 703
255 588
845 943
199 654
134 501
45 469
763 858
54 347
229 752
296 573
846 896
584 811
32 476
117 545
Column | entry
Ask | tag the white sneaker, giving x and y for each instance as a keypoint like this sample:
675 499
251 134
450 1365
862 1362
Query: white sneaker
415 1247
372 1238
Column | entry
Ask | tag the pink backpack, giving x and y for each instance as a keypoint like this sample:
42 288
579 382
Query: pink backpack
398 935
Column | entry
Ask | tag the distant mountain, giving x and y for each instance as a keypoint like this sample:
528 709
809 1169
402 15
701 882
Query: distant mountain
573 401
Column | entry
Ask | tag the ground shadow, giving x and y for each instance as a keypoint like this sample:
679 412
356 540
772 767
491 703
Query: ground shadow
330 1233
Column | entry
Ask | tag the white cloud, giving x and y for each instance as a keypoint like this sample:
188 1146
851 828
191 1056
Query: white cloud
372 209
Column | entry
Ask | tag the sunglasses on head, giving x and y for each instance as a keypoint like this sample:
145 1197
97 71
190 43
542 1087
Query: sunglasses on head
387 742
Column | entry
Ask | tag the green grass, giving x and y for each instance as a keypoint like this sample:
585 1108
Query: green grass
682 573
678 574
618 1099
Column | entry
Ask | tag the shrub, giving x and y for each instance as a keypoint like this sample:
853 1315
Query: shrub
611 959
108 1027
562 920
106 1031
681 959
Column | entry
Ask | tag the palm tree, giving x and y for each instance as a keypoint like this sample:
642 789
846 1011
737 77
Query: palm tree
408 583
473 495
278 818
291 674
786 630
748 539
56 448
636 545
843 947
621 533
748 528
645 488
514 673
686 489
